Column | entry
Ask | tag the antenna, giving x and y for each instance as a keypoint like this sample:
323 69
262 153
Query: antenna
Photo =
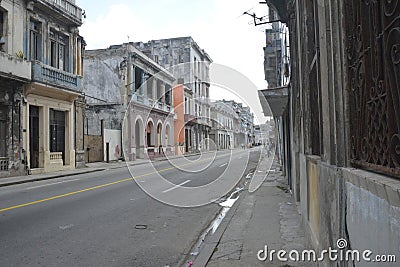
259 20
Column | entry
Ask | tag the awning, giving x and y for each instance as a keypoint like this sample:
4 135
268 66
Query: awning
274 100
280 6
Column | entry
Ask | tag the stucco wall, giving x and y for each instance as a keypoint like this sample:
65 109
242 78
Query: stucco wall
14 144
359 206
103 79
113 138
373 213
15 33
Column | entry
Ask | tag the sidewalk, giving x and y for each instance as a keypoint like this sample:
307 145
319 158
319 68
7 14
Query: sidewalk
266 217
90 167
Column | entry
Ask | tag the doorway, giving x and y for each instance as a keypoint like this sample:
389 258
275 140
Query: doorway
57 132
34 136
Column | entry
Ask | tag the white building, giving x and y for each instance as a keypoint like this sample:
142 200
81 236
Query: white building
223 126
190 66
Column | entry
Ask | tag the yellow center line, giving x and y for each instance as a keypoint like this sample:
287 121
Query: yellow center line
92 188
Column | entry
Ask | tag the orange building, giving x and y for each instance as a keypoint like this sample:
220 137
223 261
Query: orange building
179 122
185 120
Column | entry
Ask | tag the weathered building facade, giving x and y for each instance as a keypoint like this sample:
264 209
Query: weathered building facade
41 50
223 118
190 66
15 72
55 50
243 123
129 92
342 131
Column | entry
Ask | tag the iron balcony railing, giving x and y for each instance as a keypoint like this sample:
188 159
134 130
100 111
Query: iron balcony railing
152 103
48 75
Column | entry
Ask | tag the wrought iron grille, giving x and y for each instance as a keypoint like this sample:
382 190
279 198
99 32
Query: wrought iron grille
373 54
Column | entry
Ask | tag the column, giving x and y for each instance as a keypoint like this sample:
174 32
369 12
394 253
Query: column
155 81
163 92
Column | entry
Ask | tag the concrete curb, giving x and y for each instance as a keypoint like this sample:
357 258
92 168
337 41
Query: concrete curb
209 247
48 177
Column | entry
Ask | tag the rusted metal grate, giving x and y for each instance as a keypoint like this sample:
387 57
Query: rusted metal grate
373 54
4 164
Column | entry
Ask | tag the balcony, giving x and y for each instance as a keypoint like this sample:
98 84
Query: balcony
14 68
48 75
190 119
152 103
204 121
63 9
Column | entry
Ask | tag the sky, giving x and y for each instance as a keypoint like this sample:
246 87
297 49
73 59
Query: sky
218 26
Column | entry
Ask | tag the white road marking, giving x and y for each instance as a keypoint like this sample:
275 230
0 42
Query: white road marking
38 186
223 165
176 186
65 227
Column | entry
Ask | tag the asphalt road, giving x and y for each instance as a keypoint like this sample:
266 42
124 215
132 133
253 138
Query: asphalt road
106 219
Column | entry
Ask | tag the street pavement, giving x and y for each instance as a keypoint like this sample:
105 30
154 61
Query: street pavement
99 216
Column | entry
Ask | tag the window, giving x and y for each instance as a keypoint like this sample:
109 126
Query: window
200 87
195 65
199 68
139 79
3 131
149 84
374 86
58 51
168 94
3 29
159 90
1 23
186 106
195 85
35 40
156 58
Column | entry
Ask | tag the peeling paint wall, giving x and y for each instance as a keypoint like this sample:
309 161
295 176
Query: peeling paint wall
13 157
171 52
102 79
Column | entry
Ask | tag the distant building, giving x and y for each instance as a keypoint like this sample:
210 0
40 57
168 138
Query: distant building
122 81
222 132
190 66
258 137
243 123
